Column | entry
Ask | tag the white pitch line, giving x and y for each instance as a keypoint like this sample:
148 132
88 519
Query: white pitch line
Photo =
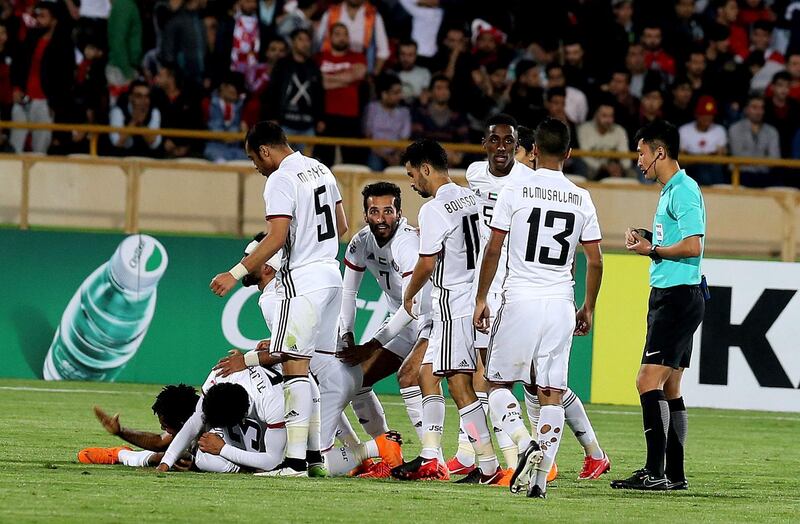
398 404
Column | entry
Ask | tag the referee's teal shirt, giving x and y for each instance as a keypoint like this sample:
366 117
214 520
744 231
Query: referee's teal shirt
681 213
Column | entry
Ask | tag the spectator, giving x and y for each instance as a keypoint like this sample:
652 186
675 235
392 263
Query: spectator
488 44
704 137
793 68
367 32
727 13
686 31
455 62
42 78
386 119
297 15
295 97
678 110
577 107
754 11
134 109
650 108
179 110
626 108
439 122
750 136
555 105
343 73
730 80
622 33
782 112
225 115
696 71
634 63
270 12
415 79
527 95
93 21
495 95
6 88
761 72
238 44
576 69
761 42
602 134
183 43
655 57
426 19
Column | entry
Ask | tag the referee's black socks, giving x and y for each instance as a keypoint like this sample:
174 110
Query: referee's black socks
676 438
655 415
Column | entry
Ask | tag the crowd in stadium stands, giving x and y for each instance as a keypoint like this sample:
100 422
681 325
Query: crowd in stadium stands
726 71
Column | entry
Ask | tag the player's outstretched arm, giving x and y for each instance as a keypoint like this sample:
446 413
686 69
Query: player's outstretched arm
190 431
278 231
141 439
422 272
491 257
594 277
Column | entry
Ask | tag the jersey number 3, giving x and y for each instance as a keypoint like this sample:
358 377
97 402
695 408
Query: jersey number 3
323 209
549 221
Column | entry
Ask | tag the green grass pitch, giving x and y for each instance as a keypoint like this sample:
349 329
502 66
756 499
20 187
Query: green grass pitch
742 466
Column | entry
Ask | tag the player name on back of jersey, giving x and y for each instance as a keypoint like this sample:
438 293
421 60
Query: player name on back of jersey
553 195
460 203
312 173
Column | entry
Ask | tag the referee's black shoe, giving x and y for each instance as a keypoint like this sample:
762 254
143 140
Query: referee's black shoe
678 485
643 480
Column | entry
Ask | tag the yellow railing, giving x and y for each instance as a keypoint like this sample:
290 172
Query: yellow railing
95 131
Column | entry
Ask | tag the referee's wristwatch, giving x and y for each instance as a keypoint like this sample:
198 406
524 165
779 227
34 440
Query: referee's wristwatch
652 253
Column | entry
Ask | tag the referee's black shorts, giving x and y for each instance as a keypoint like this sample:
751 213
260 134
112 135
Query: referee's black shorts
672 318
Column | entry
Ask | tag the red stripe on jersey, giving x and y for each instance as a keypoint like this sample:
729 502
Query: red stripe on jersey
404 275
270 217
353 266
503 231
279 425
591 241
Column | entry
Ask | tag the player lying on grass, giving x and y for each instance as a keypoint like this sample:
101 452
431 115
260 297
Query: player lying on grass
173 407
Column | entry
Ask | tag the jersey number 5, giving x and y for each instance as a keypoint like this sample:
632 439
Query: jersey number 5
323 209
549 221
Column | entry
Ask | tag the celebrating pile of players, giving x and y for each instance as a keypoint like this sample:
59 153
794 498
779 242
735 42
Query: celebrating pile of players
480 295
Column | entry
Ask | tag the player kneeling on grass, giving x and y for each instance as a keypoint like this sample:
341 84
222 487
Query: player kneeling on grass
173 407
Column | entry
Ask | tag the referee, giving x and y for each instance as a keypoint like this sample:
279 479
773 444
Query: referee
675 308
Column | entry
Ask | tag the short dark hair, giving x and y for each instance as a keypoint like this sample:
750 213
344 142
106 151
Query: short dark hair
525 138
754 96
551 66
265 133
225 405
385 82
764 25
425 151
552 137
235 79
500 119
660 133
138 82
381 189
781 75
438 78
554 92
407 42
175 404
299 30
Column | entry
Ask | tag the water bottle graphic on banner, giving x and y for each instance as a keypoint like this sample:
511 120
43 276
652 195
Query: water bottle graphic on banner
107 318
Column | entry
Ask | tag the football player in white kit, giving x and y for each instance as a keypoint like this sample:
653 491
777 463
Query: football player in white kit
339 387
509 151
388 247
305 217
449 250
540 220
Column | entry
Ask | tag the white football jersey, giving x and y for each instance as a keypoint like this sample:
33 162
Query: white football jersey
546 216
305 191
448 225
487 187
388 264
264 387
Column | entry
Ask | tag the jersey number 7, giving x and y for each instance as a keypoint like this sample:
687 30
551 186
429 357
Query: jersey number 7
549 222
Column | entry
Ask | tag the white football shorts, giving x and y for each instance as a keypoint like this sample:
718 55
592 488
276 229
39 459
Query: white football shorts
532 336
307 323
451 346
494 301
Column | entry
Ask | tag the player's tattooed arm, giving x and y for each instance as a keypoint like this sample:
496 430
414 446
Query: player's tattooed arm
142 439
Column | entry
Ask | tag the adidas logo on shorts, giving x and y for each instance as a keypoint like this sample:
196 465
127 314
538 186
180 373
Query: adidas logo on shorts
418 424
291 414
463 364
497 375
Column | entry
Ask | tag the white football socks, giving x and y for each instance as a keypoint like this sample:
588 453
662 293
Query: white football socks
370 413
506 408
341 461
297 414
412 398
432 425
345 432
548 434
474 420
135 459
578 422
314 421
